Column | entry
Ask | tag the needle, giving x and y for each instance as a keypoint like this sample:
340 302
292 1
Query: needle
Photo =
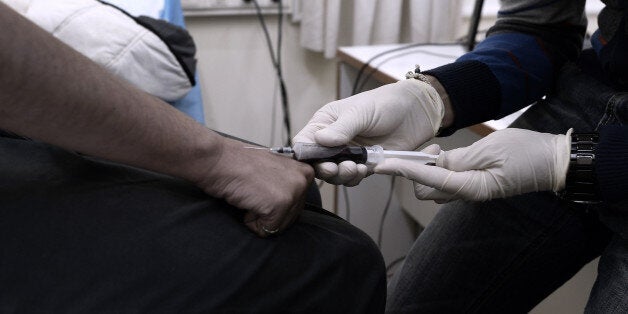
314 153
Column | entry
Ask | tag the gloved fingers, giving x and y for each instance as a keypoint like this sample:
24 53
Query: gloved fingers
347 126
326 171
433 176
414 170
433 149
320 120
424 192
479 155
346 173
362 172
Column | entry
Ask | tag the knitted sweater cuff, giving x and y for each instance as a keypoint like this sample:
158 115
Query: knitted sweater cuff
474 92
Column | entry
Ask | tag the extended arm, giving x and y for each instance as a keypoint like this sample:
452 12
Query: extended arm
51 93
517 62
515 161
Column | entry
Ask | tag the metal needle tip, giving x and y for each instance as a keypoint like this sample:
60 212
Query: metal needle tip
254 147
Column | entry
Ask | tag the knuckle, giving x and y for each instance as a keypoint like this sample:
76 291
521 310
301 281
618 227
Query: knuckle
264 211
308 172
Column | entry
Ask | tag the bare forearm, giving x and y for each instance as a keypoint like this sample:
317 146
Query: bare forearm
51 93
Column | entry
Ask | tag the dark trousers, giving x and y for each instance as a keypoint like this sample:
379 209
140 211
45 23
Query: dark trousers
81 235
507 255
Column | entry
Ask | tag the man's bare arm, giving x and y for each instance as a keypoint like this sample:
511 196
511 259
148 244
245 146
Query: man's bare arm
51 93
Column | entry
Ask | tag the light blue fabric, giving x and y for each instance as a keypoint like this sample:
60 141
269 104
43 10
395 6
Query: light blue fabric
171 11
192 103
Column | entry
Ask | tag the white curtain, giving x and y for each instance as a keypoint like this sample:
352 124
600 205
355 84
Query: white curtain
328 24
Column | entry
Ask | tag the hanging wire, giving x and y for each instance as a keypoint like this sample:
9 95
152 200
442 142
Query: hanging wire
276 60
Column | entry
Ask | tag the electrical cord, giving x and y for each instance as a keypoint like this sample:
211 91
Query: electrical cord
282 83
276 60
374 69
356 83
389 268
380 233
347 207
394 263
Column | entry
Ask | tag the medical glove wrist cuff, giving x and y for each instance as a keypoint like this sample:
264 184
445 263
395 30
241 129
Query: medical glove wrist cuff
428 99
562 151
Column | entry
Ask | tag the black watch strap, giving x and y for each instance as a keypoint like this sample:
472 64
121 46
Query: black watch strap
581 182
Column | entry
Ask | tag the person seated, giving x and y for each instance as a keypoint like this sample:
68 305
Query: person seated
114 201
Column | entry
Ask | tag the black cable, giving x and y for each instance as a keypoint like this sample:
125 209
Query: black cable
374 69
347 209
354 90
468 39
279 33
276 60
395 262
282 83
380 233
262 22
474 24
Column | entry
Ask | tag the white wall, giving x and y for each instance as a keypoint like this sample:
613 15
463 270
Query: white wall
238 81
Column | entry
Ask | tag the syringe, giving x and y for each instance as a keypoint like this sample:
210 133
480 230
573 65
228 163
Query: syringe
371 155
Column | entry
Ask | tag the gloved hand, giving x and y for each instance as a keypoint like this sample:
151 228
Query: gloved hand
399 116
504 163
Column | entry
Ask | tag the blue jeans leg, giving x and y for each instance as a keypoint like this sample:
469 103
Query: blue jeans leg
505 256
502 256
609 291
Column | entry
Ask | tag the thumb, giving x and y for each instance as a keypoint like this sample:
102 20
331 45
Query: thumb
424 192
416 171
405 168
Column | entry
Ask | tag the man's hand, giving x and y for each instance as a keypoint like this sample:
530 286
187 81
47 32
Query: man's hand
400 116
504 163
270 187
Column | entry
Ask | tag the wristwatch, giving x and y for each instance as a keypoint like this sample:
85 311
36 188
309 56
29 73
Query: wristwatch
581 184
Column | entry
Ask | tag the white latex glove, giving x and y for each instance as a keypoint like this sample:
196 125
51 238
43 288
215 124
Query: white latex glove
504 163
399 116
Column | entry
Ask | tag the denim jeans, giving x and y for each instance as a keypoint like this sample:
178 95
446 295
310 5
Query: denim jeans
507 255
